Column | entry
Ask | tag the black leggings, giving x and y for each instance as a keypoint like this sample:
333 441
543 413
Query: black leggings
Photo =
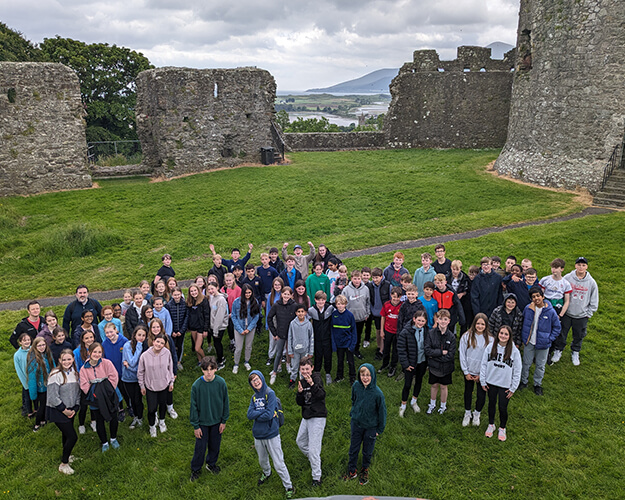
40 416
495 392
101 427
360 326
82 412
468 395
156 400
417 374
136 398
69 437
219 349
179 343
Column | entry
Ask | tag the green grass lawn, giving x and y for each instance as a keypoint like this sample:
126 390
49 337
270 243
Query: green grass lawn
567 444
114 236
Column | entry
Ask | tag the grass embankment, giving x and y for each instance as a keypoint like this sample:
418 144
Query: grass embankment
114 236
567 444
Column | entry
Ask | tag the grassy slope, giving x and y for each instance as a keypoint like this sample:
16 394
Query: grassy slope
568 444
114 236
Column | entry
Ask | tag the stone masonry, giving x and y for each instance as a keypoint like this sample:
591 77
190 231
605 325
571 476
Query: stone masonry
191 120
462 103
42 130
568 99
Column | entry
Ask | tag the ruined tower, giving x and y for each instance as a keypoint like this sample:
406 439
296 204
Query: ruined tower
568 97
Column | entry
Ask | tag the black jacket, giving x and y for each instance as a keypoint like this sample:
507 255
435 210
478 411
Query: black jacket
199 317
440 364
132 320
24 326
219 273
312 399
407 347
104 397
284 314
486 292
179 315
406 311
385 292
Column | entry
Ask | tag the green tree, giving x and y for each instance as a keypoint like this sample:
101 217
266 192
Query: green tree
15 48
312 125
107 76
282 118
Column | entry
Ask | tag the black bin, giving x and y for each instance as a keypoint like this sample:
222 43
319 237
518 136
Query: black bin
266 156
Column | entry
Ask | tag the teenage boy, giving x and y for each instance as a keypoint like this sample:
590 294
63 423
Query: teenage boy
584 303
166 271
274 260
395 270
425 273
448 299
366 279
321 315
317 281
301 261
431 306
486 289
390 313
525 265
210 410
267 274
341 282
379 293
358 303
289 275
235 254
263 410
496 261
237 270
218 270
541 326
557 289
31 324
411 305
442 265
312 398
300 342
366 275
251 279
72 317
343 338
507 314
510 261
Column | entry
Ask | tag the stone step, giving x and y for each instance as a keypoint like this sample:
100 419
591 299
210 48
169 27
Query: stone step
139 170
606 200
618 174
614 188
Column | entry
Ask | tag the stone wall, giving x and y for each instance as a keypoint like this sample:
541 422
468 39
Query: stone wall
462 103
191 120
42 130
568 99
335 141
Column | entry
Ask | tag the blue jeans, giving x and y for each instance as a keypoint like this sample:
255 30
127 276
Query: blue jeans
211 439
359 436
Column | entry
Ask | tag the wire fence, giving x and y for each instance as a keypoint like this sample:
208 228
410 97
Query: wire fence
114 152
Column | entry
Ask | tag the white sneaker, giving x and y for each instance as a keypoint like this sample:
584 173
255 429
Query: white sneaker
415 407
66 469
81 429
430 409
180 367
489 430
247 366
172 413
162 426
366 344
328 379
441 410
210 349
402 410
93 426
71 459
152 431
272 379
502 434
466 420
235 369
476 418
133 425
575 358
555 357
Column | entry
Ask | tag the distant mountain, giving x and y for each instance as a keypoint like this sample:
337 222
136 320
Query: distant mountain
376 82
499 49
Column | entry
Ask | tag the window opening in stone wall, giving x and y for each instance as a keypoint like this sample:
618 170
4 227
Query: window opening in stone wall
441 70
525 50
11 95
482 70
216 91
248 115
467 70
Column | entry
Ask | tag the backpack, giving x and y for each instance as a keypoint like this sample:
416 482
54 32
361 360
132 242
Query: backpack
279 413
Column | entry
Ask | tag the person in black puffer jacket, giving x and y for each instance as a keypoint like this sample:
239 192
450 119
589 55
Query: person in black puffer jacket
440 349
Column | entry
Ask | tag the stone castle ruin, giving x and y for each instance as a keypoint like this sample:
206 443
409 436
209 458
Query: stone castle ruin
191 120
42 129
462 103
568 97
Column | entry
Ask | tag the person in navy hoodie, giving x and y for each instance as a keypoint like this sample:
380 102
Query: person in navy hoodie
113 347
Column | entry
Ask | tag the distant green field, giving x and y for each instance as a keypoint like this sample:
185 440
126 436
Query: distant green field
114 236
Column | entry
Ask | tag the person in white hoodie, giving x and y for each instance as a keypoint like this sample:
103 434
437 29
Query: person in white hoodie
583 304
500 375
471 350
301 341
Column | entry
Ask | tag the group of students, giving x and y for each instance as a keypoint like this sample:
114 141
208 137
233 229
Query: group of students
136 349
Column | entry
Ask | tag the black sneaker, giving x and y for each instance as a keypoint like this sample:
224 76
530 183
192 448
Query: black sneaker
400 377
383 369
391 372
364 477
195 475
522 386
358 355
269 362
378 356
263 478
290 493
131 412
215 469
316 483
538 390
121 416
350 475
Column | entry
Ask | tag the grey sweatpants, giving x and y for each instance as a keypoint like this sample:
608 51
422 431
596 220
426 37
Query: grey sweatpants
272 448
531 355
294 366
239 340
309 439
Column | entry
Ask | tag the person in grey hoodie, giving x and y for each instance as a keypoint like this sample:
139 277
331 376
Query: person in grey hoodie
583 304
358 303
301 341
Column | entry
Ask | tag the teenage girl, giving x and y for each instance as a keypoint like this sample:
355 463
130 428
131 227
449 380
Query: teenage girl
160 290
500 375
47 329
156 378
245 316
411 351
299 294
147 314
39 362
219 320
472 345
63 403
131 354
81 356
59 344
198 313
98 370
201 283
178 312
232 292
87 325
156 327
274 296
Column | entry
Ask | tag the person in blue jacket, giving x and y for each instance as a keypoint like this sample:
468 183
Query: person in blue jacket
541 326
344 337
266 431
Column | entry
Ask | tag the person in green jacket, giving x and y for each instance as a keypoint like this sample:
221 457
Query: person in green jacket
317 281
210 409
368 421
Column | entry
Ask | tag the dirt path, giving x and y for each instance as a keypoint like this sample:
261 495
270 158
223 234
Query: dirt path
392 247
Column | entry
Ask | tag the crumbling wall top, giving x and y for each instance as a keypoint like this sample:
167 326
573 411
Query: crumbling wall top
469 58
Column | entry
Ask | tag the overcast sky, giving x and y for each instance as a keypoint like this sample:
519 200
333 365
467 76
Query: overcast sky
302 43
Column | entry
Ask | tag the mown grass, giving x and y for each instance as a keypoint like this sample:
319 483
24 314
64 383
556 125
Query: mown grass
114 236
567 444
